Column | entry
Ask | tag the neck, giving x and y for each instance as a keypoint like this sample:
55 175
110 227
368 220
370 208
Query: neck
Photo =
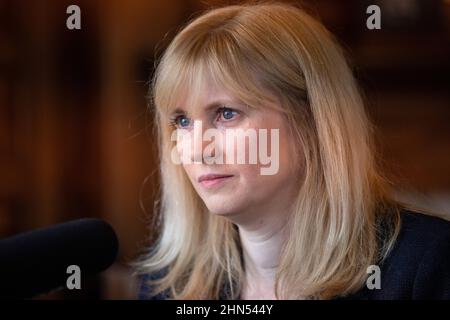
263 231
262 240
262 245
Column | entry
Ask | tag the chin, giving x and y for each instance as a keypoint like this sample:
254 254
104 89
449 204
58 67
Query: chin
222 209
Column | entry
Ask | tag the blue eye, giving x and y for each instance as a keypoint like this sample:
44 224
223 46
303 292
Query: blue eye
227 113
184 121
180 121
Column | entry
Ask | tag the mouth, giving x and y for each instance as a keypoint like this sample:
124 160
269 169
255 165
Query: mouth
211 180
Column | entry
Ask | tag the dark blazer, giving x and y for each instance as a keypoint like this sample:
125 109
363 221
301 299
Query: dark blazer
418 267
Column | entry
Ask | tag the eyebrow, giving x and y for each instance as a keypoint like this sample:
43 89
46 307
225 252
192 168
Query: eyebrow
212 105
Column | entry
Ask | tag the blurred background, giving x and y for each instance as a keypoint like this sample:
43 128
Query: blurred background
76 138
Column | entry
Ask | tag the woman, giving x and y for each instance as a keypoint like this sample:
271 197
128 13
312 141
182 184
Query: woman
313 224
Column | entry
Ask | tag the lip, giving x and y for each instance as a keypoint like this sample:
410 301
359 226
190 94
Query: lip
213 179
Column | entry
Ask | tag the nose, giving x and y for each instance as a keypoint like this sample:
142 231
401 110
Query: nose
197 142
206 143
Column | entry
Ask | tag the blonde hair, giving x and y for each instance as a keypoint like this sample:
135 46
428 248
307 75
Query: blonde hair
343 219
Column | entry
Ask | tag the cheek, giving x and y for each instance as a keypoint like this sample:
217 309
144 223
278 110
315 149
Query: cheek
255 188
287 174
250 174
183 146
287 156
189 169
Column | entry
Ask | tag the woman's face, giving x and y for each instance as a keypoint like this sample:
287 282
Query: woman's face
238 186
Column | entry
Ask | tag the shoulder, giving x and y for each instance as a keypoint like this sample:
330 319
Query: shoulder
423 227
418 266
420 237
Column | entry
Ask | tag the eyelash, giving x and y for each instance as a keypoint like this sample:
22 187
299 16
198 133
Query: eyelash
173 121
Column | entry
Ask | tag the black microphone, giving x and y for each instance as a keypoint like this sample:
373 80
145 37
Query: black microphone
37 262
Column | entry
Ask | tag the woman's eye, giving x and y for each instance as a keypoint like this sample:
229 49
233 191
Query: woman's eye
182 121
227 114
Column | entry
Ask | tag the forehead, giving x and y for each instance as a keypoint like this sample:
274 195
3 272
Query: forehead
204 96
200 84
